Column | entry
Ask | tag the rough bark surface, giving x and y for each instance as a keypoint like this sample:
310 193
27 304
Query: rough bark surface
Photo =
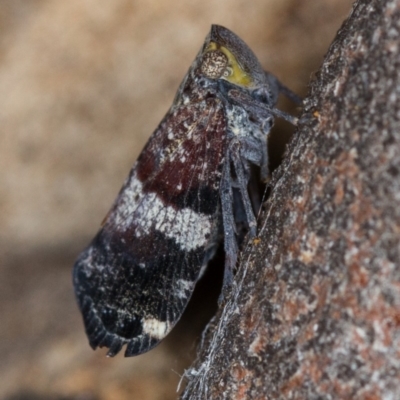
314 311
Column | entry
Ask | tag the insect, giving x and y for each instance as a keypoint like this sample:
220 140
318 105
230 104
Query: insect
184 195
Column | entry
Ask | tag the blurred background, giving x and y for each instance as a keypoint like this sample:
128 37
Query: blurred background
83 84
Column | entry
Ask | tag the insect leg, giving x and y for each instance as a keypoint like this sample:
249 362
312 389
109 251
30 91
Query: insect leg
242 181
229 227
278 87
285 116
258 110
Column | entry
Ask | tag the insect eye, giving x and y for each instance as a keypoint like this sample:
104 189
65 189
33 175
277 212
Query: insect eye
213 64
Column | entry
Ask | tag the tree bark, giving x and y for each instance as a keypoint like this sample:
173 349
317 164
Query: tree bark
314 312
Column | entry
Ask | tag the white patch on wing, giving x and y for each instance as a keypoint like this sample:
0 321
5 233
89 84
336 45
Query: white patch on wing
183 288
155 328
190 230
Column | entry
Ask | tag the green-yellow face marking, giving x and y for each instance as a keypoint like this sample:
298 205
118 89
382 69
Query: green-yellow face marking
219 62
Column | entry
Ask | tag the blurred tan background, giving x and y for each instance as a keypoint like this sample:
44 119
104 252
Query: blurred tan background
83 84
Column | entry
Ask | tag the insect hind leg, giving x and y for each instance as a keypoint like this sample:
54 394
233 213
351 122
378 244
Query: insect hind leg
242 179
229 227
228 182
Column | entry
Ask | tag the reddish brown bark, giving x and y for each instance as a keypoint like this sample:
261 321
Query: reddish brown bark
314 311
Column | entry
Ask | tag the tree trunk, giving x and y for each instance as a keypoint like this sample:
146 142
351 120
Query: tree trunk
314 312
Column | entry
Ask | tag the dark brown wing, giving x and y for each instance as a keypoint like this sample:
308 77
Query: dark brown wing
136 277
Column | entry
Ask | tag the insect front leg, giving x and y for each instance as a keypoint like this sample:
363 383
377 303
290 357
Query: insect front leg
277 87
287 117
262 110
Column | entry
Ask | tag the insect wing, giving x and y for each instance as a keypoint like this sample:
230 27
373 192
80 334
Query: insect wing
136 277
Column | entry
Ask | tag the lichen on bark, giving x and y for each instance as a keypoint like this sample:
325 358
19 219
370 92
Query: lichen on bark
314 311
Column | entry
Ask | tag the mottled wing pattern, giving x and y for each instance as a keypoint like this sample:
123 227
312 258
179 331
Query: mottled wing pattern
136 277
